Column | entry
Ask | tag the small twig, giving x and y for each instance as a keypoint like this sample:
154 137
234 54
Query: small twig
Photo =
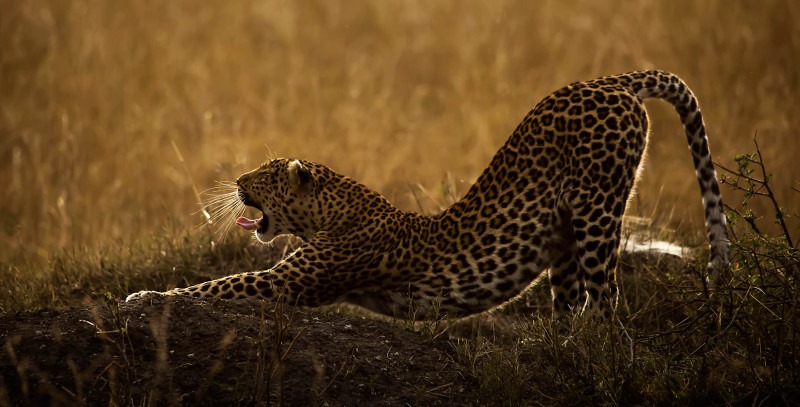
335 375
738 174
749 219
778 211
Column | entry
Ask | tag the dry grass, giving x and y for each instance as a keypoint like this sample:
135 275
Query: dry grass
96 93
99 100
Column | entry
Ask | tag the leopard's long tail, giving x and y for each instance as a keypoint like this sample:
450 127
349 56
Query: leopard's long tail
667 86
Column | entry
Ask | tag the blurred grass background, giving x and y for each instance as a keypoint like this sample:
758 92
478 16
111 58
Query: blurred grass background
94 94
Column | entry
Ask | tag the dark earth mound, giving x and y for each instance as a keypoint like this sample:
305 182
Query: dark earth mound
181 351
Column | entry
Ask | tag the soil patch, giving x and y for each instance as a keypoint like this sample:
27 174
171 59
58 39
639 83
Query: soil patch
183 351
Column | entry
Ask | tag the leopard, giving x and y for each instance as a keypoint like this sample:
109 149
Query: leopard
551 199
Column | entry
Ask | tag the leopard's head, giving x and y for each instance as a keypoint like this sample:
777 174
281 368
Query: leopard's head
285 191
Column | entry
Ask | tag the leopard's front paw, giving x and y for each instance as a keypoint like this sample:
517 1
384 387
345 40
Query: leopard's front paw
143 295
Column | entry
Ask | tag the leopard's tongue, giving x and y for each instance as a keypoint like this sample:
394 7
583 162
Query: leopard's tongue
247 224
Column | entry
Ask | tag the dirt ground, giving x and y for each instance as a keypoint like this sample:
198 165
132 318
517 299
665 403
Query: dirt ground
182 351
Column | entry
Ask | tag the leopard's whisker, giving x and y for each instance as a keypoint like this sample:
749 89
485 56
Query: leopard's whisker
220 207
226 226
218 190
222 219
221 197
226 211
215 209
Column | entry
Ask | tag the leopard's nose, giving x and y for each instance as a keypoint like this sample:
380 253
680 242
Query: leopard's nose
248 176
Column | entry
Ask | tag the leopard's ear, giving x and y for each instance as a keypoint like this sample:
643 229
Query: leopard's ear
301 177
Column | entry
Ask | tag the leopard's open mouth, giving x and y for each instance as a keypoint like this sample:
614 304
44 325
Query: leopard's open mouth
260 224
